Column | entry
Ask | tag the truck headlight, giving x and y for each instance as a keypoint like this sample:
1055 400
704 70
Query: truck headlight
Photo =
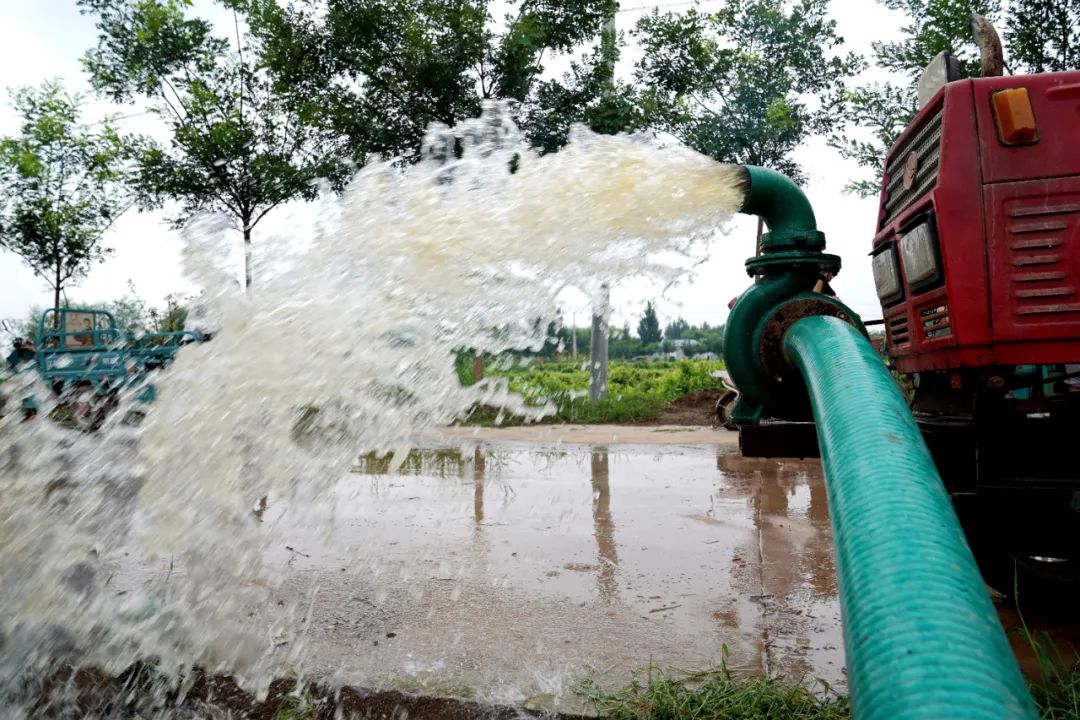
919 249
886 275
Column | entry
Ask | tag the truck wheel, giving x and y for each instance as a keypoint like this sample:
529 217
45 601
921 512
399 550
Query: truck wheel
1043 580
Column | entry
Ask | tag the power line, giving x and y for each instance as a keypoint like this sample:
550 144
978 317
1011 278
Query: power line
658 6
118 118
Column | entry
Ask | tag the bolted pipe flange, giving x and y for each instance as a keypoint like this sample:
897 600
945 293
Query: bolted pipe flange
771 339
792 260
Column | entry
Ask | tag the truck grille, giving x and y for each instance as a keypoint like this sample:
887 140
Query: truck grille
936 322
926 144
898 331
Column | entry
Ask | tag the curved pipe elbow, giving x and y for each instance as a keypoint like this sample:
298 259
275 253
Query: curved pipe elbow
787 213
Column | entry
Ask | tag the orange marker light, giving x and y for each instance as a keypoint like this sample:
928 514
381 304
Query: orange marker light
1014 117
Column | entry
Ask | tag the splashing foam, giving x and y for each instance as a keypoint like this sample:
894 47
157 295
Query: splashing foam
345 345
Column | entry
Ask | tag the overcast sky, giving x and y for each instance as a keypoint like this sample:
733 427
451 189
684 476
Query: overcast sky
45 39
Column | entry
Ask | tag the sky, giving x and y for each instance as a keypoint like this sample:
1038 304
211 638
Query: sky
45 39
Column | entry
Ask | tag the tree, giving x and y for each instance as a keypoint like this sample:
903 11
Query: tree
677 329
587 94
236 147
170 318
1041 35
648 328
748 83
62 186
379 73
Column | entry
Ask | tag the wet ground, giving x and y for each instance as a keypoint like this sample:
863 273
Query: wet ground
505 566
509 565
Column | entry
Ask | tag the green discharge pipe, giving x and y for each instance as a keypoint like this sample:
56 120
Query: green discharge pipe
921 636
777 200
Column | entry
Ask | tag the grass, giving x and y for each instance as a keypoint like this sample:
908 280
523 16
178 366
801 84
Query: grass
715 695
1057 690
720 695
1058 693
294 708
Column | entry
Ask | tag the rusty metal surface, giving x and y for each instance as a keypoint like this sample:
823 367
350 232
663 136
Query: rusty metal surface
772 337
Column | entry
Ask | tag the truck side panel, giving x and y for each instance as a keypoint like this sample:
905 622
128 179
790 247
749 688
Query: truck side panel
1034 242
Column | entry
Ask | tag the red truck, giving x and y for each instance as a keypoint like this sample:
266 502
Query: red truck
976 262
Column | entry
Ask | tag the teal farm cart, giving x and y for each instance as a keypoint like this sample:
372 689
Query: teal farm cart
87 361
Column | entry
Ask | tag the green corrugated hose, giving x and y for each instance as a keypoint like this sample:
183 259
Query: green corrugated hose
921 636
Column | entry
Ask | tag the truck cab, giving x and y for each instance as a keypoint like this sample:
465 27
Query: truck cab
976 261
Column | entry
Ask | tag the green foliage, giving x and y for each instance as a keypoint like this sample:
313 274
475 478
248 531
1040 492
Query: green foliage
623 345
1057 691
463 366
636 391
648 328
675 329
587 94
295 708
933 26
62 186
748 83
170 318
1043 35
378 74
237 146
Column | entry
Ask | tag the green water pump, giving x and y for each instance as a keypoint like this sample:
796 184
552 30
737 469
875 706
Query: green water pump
789 263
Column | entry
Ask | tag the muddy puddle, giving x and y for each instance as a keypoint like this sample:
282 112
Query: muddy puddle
507 573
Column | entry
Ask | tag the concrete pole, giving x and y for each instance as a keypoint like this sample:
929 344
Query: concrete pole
598 341
477 367
598 345
573 337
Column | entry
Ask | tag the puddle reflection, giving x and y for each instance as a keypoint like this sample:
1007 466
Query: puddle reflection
607 554
589 562
479 465
576 562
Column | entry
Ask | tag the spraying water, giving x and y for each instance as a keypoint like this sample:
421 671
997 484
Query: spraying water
142 542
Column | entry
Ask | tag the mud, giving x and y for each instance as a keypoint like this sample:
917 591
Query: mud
1044 632
139 692
695 408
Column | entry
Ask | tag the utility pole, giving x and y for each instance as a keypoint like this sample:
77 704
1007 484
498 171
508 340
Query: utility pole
477 367
573 336
598 340
598 345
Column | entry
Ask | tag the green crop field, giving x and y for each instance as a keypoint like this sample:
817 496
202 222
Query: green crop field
637 391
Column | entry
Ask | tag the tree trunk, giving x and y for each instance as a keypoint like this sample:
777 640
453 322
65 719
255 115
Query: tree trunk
477 367
56 294
247 255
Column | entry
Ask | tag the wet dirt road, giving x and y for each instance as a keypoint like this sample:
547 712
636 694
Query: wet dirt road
510 569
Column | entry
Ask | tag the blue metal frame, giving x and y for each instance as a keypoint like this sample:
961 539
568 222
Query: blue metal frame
79 347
